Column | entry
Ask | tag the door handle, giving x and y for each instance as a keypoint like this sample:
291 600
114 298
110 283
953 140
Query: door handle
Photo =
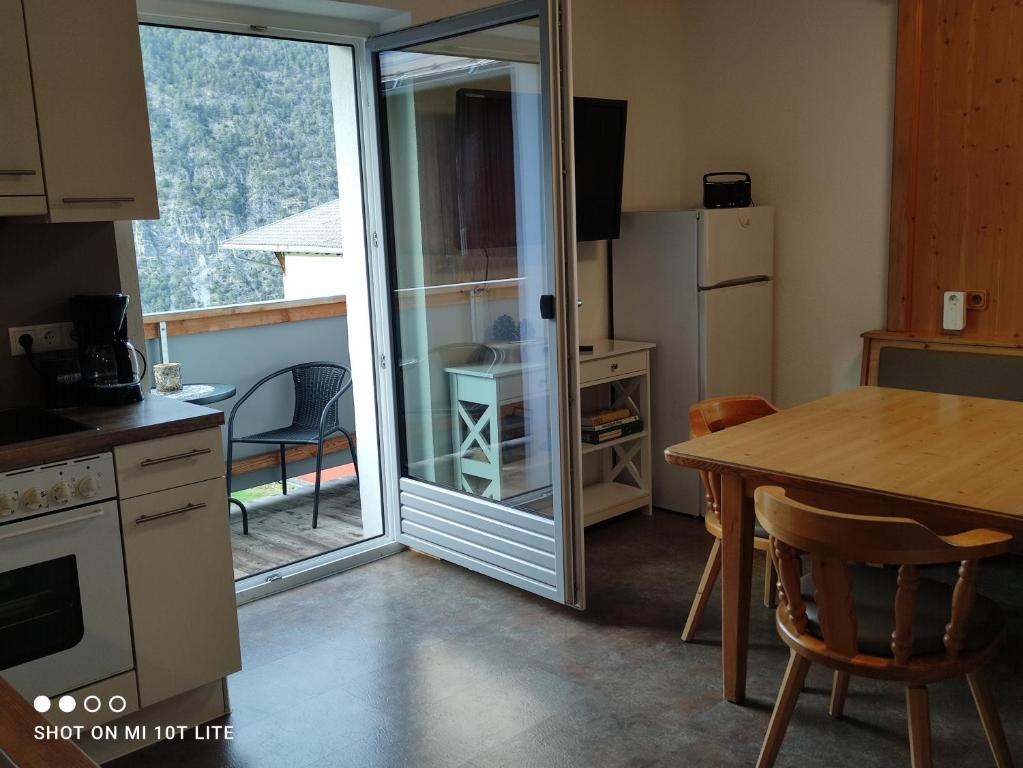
169 513
547 306
53 524
76 200
176 457
16 172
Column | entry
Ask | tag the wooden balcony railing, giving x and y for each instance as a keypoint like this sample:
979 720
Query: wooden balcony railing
191 321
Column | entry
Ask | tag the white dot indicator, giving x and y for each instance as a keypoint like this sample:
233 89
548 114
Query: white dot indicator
67 703
41 703
118 704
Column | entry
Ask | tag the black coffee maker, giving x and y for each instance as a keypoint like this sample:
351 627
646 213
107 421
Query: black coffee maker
112 369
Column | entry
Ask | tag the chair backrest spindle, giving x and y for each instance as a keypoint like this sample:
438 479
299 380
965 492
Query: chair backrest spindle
790 571
905 606
963 598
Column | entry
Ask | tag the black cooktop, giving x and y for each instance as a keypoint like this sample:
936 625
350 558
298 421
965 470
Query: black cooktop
19 425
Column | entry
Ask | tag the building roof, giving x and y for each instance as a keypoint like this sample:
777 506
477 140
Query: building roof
317 230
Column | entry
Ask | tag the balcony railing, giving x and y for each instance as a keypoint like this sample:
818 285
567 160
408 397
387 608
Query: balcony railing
239 345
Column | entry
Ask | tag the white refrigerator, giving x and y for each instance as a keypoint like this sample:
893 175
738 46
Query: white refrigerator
700 284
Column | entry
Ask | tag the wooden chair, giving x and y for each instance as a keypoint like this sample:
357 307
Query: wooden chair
706 417
880 622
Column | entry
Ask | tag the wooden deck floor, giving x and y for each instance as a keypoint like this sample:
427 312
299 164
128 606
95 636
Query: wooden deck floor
281 532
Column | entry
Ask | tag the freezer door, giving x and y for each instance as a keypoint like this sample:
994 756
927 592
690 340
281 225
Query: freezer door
736 243
736 340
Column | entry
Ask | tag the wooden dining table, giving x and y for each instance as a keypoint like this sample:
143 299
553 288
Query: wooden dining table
952 463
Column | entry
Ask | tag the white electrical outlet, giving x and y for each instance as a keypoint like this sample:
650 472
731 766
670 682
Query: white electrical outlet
45 338
953 316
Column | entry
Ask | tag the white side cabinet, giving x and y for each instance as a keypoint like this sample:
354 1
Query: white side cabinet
177 552
619 371
21 172
90 111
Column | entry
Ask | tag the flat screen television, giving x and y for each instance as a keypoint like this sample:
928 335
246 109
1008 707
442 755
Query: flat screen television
599 164
486 173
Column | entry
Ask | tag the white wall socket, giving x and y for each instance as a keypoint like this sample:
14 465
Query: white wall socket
45 338
953 316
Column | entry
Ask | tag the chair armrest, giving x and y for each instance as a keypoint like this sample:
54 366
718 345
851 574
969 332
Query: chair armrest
330 404
241 401
980 543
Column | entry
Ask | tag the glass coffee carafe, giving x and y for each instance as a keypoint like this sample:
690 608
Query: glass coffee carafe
100 363
112 368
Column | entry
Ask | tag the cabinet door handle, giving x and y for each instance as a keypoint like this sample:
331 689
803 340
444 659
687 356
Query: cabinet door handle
176 457
16 172
169 513
614 366
74 200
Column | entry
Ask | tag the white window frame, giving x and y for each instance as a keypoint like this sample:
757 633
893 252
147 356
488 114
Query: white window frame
209 17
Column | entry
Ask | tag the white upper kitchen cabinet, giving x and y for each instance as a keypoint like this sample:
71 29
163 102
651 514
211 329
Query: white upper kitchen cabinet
21 172
90 100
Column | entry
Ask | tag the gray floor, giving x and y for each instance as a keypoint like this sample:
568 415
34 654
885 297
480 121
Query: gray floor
414 662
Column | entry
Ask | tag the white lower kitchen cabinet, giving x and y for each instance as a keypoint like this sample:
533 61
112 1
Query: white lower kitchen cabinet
177 552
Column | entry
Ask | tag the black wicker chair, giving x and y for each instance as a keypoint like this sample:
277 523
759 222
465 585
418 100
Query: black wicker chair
318 388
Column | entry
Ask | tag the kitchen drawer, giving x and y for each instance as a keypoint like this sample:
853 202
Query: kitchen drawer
177 556
169 462
612 367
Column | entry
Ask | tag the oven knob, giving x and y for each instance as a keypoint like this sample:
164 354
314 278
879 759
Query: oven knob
7 503
59 494
87 487
31 499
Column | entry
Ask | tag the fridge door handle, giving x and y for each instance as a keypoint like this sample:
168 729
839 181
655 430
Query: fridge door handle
735 282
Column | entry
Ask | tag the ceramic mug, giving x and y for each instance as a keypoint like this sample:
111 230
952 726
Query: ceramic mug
168 377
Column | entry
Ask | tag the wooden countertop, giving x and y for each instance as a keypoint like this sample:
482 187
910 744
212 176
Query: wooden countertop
151 419
18 720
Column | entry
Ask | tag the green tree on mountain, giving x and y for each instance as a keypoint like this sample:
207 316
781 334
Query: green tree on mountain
243 136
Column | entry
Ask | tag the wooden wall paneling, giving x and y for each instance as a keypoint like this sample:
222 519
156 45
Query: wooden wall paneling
904 163
958 158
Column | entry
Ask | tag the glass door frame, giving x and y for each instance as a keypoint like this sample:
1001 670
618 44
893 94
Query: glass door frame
211 18
560 236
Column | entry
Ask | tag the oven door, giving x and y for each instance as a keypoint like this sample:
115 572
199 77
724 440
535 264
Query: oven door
63 604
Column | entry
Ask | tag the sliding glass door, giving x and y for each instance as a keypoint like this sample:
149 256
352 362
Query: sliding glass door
469 117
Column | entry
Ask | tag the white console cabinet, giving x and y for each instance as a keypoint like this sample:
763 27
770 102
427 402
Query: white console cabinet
622 369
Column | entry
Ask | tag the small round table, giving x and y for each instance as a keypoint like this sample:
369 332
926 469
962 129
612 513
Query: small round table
204 394
200 394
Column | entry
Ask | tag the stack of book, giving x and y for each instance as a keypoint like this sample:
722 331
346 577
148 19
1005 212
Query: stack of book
609 424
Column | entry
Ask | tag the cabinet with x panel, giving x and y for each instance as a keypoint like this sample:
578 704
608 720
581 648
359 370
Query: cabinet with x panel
616 374
488 401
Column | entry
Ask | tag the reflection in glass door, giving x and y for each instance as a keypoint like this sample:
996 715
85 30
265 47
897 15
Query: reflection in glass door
465 129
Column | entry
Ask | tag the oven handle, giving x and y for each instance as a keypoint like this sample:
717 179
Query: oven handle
176 457
169 513
52 524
